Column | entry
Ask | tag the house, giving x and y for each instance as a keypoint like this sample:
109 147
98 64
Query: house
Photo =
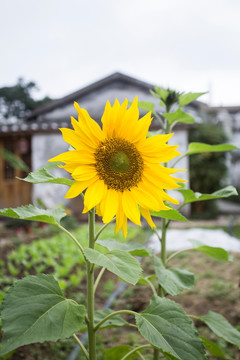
38 138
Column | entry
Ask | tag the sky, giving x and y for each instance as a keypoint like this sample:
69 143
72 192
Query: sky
64 45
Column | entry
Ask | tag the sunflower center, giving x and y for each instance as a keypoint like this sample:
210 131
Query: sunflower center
119 164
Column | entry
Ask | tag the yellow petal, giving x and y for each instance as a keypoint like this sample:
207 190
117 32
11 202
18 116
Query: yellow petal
119 214
142 128
156 175
147 216
144 197
72 138
77 188
109 205
85 136
128 123
130 207
84 172
124 226
77 157
94 195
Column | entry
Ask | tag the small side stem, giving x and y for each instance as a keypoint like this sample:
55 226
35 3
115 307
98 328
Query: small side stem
102 228
176 253
151 286
113 314
72 237
84 350
135 350
98 279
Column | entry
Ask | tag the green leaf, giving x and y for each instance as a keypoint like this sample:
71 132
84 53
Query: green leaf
213 348
173 280
162 93
131 247
146 105
215 252
119 262
166 326
189 97
198 148
35 310
99 315
118 352
171 214
191 196
43 176
31 212
143 280
14 160
221 327
179 116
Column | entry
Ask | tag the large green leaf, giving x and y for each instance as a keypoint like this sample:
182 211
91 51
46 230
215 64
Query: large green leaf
166 326
99 315
221 327
213 348
174 280
131 247
179 116
31 212
118 352
43 176
215 252
119 262
171 214
197 148
191 196
35 310
186 99
146 105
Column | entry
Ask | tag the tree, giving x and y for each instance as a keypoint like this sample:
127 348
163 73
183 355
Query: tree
17 101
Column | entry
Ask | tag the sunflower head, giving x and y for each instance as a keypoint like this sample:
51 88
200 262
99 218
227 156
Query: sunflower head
118 166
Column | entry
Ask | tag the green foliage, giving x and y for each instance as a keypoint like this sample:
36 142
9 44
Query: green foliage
208 170
171 214
17 100
187 98
118 352
173 280
35 310
166 326
213 348
31 212
114 321
190 196
119 262
215 252
43 176
131 247
14 160
179 116
221 327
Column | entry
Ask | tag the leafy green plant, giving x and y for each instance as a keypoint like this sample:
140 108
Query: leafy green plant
35 309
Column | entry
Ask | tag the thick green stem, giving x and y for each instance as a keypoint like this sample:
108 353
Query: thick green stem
90 287
156 352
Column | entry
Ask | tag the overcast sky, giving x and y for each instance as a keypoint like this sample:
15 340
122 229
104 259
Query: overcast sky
63 45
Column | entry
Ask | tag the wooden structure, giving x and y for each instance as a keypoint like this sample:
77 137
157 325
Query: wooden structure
14 192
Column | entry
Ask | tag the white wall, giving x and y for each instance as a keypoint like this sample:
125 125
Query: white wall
44 147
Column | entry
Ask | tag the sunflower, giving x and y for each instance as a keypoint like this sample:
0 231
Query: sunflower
118 165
